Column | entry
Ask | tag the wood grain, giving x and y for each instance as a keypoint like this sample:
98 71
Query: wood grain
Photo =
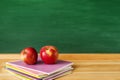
86 66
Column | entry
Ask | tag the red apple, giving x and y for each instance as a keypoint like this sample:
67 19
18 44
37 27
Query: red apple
29 55
49 54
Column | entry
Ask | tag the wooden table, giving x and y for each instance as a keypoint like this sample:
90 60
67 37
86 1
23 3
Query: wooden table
86 66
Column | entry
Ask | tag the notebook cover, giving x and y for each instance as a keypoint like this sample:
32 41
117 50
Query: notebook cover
41 67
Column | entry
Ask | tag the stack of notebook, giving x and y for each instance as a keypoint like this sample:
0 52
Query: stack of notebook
39 71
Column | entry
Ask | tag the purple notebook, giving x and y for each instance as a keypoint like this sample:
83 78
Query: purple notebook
40 67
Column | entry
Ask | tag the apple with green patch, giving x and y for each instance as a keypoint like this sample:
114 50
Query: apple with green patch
29 55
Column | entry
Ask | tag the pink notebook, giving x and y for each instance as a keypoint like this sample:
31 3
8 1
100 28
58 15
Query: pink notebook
40 67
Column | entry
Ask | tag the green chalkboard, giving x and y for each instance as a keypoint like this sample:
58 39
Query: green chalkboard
74 26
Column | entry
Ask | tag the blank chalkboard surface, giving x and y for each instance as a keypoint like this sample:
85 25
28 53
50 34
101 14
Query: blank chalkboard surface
70 25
